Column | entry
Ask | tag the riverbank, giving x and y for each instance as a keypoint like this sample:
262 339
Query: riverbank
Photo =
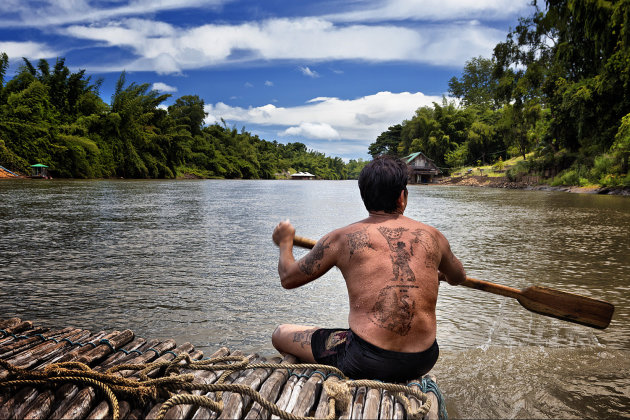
528 183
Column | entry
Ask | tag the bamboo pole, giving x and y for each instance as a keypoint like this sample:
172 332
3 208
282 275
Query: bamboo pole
102 410
297 389
372 404
294 382
126 409
434 412
11 349
75 352
399 411
186 348
22 397
148 356
386 410
17 405
270 389
81 404
358 403
322 406
28 333
30 355
306 400
201 377
119 356
347 412
206 413
237 404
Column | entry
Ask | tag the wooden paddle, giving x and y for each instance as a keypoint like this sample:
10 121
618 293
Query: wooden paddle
542 300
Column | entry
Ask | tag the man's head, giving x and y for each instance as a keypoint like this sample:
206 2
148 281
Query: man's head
381 181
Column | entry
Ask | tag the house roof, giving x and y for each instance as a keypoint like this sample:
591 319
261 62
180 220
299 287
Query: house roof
39 165
411 157
302 174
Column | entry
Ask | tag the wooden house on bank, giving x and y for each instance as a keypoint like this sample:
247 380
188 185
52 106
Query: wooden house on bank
422 170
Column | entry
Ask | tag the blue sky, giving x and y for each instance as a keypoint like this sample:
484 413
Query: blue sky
332 74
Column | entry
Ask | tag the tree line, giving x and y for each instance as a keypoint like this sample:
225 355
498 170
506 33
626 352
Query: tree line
56 117
556 92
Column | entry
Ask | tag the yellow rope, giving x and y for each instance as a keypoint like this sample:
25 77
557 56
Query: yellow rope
113 385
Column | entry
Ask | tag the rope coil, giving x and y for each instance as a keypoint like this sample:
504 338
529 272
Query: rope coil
113 386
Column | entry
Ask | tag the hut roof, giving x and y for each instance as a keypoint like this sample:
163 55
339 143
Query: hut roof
411 157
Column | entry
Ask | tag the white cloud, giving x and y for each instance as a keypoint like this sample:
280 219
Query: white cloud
166 49
38 13
163 87
431 10
308 72
352 124
312 131
268 83
32 50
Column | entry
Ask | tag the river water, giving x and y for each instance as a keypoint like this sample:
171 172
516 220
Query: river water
193 260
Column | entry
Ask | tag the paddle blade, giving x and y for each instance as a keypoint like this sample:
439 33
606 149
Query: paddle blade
567 306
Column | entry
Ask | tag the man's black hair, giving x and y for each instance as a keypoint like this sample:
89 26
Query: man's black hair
381 182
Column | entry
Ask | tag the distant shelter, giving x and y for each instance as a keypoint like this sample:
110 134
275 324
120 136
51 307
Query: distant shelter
422 170
39 170
302 175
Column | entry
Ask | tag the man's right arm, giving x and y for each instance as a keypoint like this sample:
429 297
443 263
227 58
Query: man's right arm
450 266
313 265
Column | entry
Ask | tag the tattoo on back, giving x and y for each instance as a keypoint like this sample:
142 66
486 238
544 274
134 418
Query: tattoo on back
400 255
312 261
358 240
430 245
394 309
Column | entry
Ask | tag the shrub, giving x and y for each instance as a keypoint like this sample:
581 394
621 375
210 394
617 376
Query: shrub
521 168
570 177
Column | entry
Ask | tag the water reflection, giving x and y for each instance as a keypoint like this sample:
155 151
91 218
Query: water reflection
193 261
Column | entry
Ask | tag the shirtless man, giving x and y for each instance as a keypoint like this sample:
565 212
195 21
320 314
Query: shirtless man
392 266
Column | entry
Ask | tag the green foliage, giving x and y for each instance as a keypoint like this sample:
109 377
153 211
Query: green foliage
558 85
354 167
621 147
477 86
522 167
571 177
53 116
387 142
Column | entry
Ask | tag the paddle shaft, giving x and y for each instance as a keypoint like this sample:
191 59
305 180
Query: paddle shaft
541 300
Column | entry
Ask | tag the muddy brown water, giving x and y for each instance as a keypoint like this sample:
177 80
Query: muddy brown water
193 260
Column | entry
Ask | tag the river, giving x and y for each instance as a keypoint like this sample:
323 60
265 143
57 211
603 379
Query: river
193 260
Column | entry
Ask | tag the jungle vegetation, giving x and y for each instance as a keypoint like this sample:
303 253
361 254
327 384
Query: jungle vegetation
557 90
56 117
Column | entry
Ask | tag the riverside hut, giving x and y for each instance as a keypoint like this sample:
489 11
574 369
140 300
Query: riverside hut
302 175
422 170
39 170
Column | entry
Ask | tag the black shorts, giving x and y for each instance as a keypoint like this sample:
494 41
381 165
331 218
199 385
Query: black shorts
358 359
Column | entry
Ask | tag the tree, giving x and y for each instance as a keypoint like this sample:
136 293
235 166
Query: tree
189 110
477 85
387 142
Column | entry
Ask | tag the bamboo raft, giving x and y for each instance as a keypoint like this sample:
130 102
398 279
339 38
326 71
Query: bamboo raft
28 352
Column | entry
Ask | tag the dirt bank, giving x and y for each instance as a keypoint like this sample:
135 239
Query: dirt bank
529 183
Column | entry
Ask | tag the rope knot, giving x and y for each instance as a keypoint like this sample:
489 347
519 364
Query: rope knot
339 391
